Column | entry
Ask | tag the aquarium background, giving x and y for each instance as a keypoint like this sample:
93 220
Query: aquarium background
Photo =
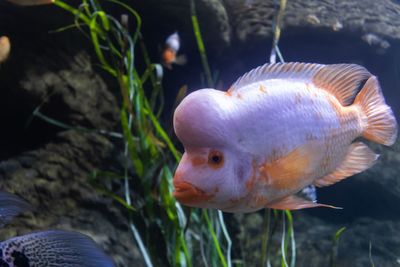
59 107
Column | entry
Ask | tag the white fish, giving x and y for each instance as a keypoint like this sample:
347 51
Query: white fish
278 129
169 54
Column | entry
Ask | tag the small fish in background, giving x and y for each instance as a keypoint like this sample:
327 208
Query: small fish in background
5 48
279 129
31 2
169 53
51 248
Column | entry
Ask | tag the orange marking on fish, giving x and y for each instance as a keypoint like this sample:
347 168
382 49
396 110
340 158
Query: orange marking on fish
168 56
178 176
239 96
258 201
286 172
326 162
338 108
234 200
262 89
198 161
252 181
189 194
229 92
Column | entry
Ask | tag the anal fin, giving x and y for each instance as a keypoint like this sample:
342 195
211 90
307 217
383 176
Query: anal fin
293 202
359 158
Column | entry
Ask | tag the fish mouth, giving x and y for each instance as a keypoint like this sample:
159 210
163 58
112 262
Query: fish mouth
189 195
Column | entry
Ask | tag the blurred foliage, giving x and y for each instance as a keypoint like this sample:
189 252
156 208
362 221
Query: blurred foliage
335 246
161 228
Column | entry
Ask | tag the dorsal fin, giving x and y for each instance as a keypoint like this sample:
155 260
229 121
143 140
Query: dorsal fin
342 80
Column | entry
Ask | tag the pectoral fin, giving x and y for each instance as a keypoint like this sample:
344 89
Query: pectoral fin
295 203
359 158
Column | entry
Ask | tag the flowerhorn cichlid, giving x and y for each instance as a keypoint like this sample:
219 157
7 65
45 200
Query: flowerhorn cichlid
54 248
277 130
31 2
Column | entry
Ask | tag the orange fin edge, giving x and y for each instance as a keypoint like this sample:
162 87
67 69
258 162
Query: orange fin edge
293 202
359 158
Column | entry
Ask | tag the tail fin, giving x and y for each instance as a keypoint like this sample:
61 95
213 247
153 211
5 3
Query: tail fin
381 124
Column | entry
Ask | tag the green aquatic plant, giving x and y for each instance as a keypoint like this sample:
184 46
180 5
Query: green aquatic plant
335 246
165 234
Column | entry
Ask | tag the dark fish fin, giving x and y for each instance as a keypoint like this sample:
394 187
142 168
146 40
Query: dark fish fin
341 80
381 124
10 206
359 158
293 202
55 248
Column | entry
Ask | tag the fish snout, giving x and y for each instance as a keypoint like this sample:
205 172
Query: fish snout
188 194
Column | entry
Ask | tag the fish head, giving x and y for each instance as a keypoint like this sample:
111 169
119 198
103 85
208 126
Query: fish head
211 177
212 171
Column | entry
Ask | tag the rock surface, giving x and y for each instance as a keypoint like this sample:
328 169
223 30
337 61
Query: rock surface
54 179
48 165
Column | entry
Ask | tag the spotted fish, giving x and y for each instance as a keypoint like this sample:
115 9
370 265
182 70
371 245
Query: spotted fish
53 248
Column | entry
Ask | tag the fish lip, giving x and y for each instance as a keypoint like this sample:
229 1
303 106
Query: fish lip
188 194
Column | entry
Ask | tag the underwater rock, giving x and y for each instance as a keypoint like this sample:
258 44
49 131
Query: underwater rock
314 241
226 21
41 162
54 179
254 21
66 88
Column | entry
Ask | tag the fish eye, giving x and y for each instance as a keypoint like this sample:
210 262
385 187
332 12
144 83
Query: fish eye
215 159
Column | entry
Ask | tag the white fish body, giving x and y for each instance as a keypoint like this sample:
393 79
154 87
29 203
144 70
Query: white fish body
173 42
277 130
